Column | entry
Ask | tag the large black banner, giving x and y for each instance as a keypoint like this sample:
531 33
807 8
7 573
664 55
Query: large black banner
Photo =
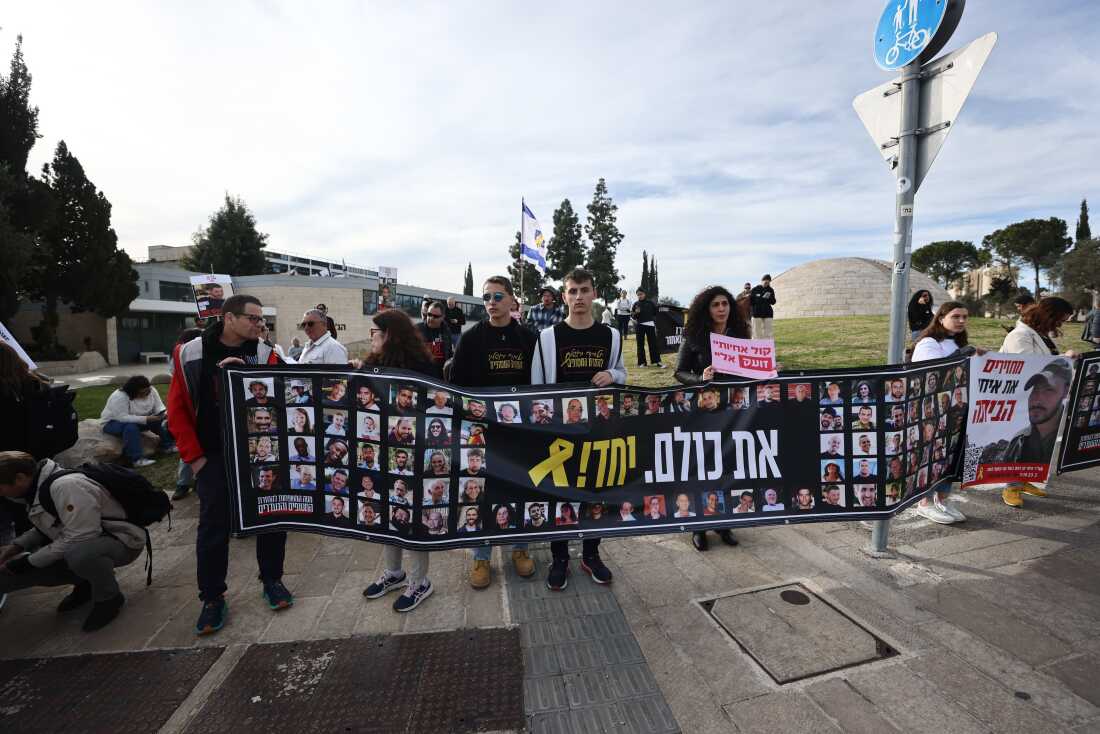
1081 438
395 457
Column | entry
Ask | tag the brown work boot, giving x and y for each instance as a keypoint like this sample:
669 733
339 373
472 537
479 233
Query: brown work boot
1029 488
525 566
479 575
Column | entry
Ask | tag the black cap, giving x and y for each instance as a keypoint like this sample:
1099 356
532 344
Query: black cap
1057 369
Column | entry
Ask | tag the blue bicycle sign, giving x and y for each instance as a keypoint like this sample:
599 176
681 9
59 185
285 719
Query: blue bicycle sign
905 29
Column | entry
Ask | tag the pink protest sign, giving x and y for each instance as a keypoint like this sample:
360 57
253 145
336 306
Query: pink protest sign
744 357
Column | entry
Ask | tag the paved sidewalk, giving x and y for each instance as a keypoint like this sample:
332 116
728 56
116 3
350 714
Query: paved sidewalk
990 626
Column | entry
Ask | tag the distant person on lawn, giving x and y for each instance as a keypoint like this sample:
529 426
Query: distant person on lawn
133 408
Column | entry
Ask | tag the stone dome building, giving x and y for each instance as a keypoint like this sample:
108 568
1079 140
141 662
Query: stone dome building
843 286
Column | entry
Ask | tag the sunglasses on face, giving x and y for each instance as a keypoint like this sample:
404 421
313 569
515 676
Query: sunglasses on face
495 297
435 316
307 324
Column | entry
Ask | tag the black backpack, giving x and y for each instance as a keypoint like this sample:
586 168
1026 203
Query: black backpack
143 504
51 421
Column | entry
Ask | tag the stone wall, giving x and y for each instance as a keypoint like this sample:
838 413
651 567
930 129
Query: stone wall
345 306
72 328
846 286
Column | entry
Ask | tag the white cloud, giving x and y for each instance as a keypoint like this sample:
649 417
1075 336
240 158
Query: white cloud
406 134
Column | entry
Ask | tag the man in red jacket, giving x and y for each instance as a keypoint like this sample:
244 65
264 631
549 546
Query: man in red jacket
194 418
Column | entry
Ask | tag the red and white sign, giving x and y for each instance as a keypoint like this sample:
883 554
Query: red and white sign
745 357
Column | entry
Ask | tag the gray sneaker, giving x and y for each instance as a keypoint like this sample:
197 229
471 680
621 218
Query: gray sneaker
951 509
935 514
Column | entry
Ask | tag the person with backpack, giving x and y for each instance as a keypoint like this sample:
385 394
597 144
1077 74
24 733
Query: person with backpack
132 409
80 535
194 418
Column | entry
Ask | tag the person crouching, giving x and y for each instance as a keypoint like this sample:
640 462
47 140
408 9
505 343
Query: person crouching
80 546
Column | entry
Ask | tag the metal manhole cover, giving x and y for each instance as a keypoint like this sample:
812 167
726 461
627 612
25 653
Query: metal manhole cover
794 634
462 681
123 692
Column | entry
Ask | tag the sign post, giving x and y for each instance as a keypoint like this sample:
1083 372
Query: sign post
898 116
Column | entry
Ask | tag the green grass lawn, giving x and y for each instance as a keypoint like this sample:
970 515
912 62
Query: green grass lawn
844 341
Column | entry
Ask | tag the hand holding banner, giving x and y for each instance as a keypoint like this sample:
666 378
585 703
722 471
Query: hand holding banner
754 358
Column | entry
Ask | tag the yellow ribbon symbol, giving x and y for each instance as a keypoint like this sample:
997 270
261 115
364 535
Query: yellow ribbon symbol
560 452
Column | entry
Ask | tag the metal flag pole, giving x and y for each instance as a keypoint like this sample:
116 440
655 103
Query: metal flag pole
522 206
903 238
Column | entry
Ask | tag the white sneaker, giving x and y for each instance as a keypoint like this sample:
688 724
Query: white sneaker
935 514
143 462
951 509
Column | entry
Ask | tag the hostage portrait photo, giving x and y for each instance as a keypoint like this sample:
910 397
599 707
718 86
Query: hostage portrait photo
210 293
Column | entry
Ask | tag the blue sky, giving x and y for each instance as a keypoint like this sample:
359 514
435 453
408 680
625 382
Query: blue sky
405 134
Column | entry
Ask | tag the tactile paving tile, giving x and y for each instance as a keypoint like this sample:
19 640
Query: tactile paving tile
461 681
118 693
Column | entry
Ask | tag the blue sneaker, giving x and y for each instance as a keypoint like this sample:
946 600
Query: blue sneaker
385 584
278 596
412 597
212 617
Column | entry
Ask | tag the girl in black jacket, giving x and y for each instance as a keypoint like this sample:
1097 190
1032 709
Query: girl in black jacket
920 313
713 310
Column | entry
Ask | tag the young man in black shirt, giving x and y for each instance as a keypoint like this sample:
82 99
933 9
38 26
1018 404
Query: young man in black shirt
495 353
578 350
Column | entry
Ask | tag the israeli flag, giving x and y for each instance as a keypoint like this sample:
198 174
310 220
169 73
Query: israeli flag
532 244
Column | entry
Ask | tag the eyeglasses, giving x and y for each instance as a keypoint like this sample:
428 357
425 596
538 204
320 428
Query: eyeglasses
253 319
495 297
375 331
435 315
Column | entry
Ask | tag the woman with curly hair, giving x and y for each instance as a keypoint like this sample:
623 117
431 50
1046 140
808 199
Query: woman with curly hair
437 433
715 310
395 343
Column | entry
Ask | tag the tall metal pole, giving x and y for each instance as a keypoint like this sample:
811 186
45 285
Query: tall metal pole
903 238
522 266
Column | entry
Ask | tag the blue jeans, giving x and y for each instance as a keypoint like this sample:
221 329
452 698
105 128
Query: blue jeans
130 433
184 475
482 552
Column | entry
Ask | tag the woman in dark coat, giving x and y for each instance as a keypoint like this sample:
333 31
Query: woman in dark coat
713 310
920 313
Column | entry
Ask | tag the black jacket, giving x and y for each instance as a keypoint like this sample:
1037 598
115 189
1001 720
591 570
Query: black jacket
761 298
920 314
645 311
693 359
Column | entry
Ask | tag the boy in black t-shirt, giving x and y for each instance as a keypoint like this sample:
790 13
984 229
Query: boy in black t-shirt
578 350
495 353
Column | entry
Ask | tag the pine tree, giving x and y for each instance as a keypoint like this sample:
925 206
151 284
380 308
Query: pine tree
605 237
77 260
643 284
532 280
1083 230
653 280
18 119
230 243
468 286
566 250
24 201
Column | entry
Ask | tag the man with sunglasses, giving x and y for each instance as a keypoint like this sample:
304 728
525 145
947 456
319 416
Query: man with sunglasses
495 353
321 348
194 418
433 329
578 350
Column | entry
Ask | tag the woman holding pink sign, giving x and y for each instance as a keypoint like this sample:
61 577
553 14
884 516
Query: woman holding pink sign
713 310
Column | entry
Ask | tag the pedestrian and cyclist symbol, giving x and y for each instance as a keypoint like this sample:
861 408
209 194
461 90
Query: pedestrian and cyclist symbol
905 29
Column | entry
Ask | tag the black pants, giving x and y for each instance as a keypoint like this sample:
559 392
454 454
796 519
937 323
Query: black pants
624 323
212 541
559 549
643 334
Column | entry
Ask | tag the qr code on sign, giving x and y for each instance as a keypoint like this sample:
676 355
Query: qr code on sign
971 459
